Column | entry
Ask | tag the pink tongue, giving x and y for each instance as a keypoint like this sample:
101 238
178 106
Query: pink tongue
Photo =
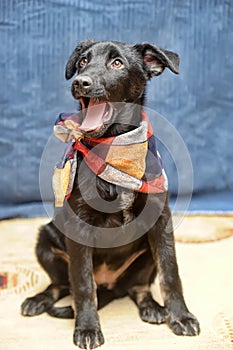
94 116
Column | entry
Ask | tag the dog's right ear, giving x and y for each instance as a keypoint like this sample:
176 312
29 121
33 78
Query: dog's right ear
71 64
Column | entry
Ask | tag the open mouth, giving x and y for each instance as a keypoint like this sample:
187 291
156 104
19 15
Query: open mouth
96 115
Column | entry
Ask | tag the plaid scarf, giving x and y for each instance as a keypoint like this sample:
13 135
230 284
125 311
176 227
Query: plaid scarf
129 160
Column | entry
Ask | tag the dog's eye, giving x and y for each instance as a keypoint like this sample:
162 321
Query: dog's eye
117 63
83 62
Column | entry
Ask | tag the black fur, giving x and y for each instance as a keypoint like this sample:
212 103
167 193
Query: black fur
96 66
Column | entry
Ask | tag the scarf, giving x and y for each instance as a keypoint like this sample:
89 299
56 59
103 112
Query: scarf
129 160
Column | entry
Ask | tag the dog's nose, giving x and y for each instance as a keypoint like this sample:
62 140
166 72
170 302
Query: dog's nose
83 83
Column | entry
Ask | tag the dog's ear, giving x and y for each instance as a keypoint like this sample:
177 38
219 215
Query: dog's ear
157 59
71 64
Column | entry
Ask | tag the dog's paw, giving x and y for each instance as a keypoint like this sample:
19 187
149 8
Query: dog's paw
152 313
34 306
88 338
185 324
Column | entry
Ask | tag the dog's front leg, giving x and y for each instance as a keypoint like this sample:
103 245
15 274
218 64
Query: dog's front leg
161 240
87 332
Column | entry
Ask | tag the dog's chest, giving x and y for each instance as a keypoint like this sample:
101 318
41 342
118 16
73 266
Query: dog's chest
107 275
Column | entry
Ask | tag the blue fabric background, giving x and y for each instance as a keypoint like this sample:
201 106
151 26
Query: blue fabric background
37 37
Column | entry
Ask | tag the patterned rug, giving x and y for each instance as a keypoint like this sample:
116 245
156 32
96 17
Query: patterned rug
206 270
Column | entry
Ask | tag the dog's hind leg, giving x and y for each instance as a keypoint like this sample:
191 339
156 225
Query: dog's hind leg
43 301
150 311
51 254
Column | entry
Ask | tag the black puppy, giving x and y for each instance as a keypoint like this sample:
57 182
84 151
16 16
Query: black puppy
115 74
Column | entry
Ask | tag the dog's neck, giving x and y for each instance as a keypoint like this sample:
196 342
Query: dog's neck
127 116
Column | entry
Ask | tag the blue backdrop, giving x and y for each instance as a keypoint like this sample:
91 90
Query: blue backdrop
37 37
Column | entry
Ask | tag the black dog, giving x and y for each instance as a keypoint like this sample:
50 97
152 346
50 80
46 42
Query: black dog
111 72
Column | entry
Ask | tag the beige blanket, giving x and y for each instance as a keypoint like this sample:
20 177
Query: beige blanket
207 274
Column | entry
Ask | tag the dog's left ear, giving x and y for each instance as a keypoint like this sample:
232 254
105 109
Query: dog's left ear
157 59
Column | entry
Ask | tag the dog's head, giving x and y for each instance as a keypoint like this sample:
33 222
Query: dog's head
109 72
